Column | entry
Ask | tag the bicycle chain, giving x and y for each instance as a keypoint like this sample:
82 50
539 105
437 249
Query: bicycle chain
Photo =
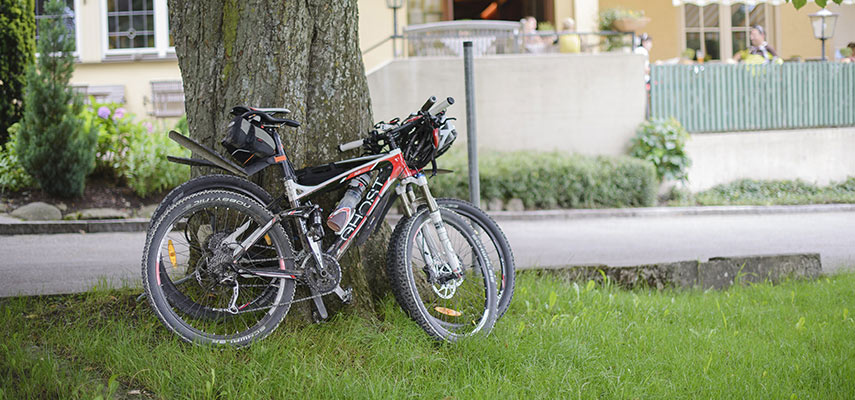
299 256
288 302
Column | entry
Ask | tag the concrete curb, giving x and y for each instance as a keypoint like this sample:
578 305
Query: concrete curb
668 212
141 224
717 273
85 226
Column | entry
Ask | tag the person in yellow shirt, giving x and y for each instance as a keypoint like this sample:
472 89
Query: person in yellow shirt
569 42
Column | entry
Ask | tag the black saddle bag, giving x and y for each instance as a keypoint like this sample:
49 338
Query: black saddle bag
245 140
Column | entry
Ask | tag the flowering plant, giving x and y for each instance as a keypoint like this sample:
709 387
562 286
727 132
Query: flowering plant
116 131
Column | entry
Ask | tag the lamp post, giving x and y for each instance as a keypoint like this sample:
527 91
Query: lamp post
823 22
394 5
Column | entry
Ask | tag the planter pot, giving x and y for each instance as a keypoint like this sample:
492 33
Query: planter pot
631 24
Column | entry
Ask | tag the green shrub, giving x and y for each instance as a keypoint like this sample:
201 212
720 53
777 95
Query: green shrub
146 168
17 45
663 142
12 176
781 192
551 180
54 144
181 125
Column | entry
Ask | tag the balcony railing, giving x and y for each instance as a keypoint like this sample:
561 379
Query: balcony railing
445 39
740 97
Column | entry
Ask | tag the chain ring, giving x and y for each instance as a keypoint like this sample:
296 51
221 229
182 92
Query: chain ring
321 281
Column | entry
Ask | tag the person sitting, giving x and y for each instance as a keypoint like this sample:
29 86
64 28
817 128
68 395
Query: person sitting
759 46
644 46
533 42
569 42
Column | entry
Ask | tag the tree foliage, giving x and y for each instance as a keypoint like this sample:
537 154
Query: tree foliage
54 145
822 3
17 46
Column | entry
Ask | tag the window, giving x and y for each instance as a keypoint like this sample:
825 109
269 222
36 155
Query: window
136 27
67 18
167 98
703 30
130 24
742 18
720 31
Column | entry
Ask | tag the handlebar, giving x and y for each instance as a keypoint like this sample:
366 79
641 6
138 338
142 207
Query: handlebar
430 108
441 106
430 102
351 145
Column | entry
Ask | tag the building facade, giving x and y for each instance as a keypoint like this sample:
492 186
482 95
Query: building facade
125 51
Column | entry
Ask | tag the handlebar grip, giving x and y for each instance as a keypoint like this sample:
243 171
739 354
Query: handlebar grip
351 145
430 102
441 106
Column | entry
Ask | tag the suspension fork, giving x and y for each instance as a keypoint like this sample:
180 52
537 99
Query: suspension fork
436 218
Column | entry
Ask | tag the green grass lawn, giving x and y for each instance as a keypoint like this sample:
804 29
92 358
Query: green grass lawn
559 340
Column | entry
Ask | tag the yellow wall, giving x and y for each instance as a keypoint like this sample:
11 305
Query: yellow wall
798 36
792 36
563 9
135 76
664 24
375 25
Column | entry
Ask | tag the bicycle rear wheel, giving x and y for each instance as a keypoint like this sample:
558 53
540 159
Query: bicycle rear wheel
445 304
192 280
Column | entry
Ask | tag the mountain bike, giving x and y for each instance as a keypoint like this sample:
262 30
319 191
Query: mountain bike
235 256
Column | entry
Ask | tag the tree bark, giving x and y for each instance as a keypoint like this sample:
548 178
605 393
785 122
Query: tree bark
301 55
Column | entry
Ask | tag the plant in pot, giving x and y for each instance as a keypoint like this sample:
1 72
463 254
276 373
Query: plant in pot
630 20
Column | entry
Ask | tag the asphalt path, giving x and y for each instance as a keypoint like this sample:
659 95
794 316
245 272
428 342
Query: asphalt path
66 263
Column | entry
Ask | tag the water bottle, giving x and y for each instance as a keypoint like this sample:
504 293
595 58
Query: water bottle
339 218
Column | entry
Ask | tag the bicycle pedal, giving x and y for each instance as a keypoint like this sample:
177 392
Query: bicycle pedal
346 295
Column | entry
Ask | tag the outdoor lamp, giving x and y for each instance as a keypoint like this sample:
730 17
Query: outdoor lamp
394 5
823 22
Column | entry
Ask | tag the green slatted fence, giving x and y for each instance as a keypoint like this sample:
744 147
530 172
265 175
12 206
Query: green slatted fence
740 97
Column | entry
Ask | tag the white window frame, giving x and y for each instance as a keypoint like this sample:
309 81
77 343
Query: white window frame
161 33
773 32
77 40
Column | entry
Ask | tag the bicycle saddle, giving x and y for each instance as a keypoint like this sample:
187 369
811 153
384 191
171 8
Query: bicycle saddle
265 115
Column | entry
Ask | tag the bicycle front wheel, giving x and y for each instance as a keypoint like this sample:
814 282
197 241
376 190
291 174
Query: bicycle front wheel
495 243
447 303
192 279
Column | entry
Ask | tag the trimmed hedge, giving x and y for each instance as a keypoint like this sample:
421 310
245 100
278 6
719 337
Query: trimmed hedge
783 192
552 180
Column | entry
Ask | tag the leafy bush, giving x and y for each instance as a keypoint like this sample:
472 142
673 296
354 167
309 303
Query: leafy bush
116 128
12 176
780 192
663 142
181 125
146 168
17 45
54 144
551 180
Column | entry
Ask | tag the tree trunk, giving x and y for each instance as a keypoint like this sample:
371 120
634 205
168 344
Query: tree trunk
301 55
